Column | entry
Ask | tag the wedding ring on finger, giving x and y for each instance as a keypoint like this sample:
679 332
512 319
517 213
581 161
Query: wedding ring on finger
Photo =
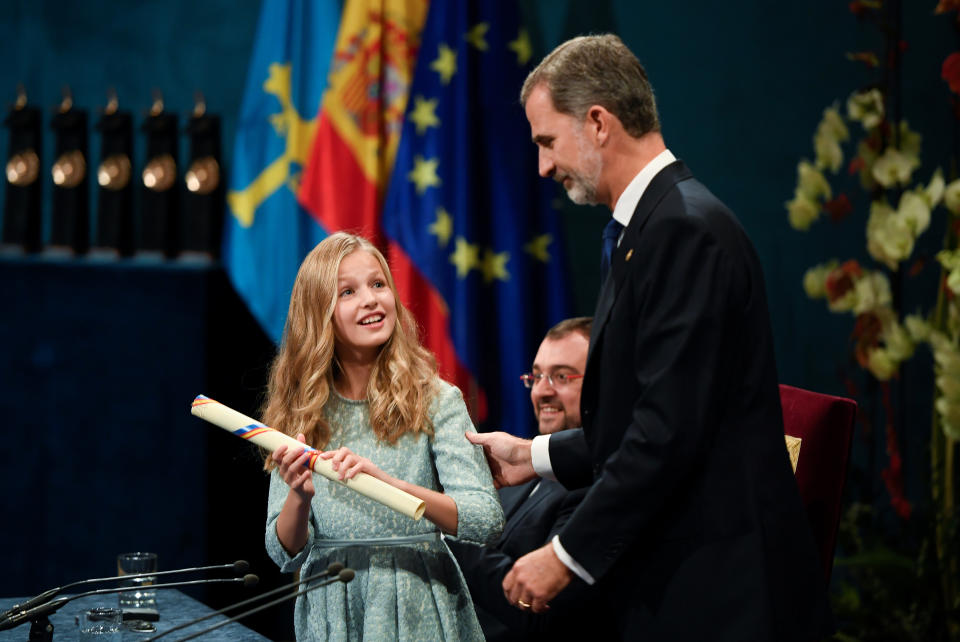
522 604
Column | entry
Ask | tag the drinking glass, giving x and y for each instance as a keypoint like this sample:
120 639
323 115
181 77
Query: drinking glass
101 624
141 597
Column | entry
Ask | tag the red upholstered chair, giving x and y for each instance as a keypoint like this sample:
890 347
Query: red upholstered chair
824 424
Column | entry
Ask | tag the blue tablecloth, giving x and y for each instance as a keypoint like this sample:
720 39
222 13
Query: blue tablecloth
174 607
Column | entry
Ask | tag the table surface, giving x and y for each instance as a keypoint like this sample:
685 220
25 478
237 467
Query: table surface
174 607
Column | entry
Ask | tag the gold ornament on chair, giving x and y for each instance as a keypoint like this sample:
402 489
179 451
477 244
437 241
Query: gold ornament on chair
793 449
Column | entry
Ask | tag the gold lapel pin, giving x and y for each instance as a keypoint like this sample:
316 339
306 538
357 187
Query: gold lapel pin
629 253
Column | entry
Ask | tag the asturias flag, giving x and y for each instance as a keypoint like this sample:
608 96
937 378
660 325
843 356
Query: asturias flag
473 241
267 233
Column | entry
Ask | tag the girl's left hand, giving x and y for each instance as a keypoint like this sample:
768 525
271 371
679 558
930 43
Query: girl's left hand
348 464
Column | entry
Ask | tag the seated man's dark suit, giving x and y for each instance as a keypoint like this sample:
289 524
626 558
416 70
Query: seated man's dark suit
531 520
693 522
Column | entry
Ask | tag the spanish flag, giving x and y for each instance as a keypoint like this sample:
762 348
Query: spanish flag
362 115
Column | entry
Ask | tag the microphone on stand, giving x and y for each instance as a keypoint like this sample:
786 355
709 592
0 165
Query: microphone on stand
9 621
343 576
240 566
334 569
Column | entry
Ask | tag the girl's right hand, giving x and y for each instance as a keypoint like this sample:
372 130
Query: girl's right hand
292 468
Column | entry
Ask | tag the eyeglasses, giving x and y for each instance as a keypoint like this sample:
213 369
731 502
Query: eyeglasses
556 381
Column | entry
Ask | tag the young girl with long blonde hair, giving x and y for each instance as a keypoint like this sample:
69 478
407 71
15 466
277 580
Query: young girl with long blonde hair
352 380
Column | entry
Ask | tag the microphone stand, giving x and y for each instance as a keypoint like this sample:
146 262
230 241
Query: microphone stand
240 566
42 630
333 569
344 576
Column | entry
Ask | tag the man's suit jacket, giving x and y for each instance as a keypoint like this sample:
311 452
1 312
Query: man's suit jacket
693 518
531 520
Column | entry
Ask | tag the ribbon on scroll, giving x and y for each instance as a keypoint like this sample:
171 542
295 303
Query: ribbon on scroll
270 439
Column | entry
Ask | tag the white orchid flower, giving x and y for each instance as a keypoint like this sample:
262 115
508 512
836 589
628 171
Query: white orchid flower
872 293
866 108
894 167
828 151
910 140
832 124
813 183
949 259
899 345
890 238
913 208
880 364
951 196
949 416
917 327
947 359
933 192
801 211
953 281
815 280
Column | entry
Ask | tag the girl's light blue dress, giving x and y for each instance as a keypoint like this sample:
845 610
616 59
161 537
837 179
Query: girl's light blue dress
402 591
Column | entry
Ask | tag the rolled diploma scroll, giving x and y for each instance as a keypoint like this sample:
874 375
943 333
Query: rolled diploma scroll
266 437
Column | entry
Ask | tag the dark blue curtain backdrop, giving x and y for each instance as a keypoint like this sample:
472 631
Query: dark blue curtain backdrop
741 86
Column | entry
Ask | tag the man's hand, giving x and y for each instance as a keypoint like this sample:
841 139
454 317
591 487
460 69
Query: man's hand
535 579
508 457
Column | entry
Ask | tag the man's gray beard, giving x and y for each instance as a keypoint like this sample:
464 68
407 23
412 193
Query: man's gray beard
584 189
581 192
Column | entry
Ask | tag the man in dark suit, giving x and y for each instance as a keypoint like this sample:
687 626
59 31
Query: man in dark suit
692 518
536 510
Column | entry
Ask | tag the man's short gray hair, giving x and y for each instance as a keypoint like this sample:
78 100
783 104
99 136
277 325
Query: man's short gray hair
597 70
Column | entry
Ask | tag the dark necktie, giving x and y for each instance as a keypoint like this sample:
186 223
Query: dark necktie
610 235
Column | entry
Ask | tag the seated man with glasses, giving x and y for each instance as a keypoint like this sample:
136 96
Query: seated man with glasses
535 511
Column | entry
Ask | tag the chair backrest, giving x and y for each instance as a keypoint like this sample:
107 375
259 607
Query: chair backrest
824 424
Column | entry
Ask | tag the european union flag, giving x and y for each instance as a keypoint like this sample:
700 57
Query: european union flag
268 233
467 208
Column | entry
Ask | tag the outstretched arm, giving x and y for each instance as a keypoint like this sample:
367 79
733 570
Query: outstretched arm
508 457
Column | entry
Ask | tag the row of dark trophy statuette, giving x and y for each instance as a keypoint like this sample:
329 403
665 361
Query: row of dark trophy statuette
176 216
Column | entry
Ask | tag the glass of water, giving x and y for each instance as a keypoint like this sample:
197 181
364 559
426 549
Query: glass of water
141 596
101 624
